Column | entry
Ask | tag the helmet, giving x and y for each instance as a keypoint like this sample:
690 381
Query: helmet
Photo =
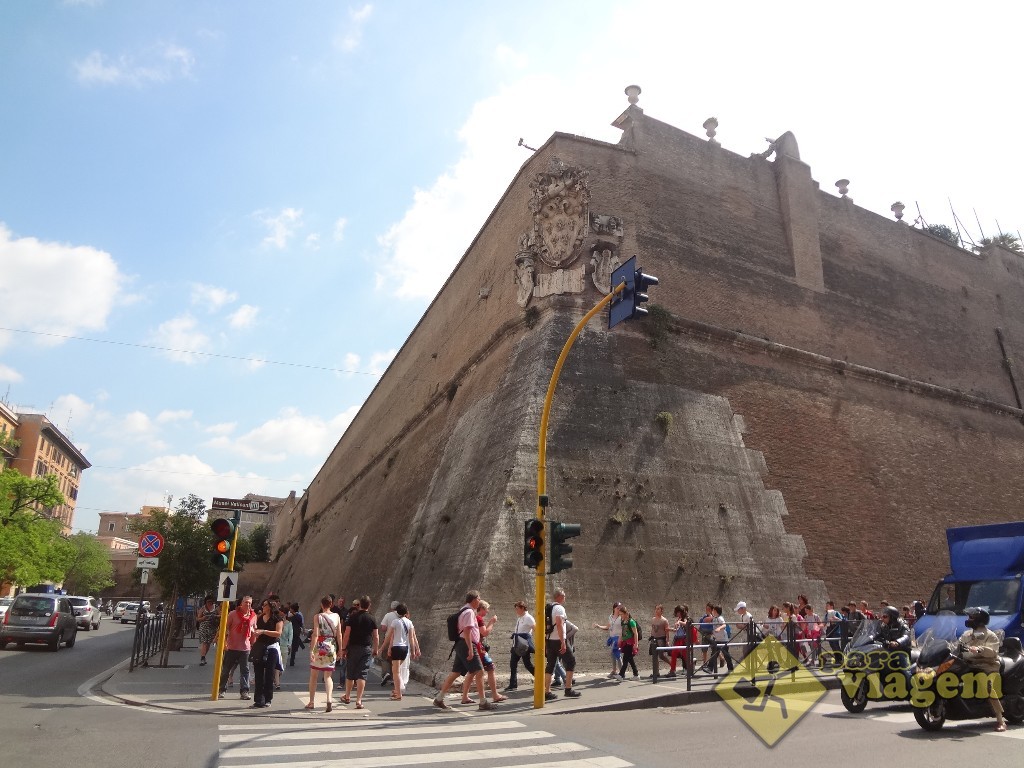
976 617
893 613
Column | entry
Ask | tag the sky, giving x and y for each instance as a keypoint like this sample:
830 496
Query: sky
219 221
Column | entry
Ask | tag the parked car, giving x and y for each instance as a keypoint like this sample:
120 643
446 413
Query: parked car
118 610
131 612
87 612
48 619
5 603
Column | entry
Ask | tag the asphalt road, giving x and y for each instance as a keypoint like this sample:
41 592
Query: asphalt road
52 714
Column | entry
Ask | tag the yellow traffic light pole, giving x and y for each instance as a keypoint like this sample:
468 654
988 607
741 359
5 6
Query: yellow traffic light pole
222 630
540 638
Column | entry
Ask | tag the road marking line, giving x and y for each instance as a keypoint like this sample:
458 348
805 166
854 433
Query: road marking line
368 730
394 742
516 753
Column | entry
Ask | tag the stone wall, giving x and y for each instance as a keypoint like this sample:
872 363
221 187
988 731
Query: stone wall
837 390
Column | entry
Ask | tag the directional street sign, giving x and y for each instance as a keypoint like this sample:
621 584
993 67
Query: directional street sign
145 563
246 505
150 544
227 586
144 577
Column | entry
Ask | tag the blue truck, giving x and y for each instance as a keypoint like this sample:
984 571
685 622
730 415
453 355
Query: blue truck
987 564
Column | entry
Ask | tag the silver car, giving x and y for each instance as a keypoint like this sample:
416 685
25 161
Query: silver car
5 603
34 618
87 612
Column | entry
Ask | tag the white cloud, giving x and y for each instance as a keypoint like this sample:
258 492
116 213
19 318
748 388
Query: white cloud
349 38
180 337
244 316
313 241
281 227
54 287
224 428
339 229
165 417
290 434
73 412
376 365
508 56
9 374
211 297
159 63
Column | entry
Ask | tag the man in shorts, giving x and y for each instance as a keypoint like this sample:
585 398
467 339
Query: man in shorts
467 660
385 662
558 649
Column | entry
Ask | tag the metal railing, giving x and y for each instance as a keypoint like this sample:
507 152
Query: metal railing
150 635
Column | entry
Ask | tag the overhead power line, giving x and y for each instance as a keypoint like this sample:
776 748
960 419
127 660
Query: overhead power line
188 351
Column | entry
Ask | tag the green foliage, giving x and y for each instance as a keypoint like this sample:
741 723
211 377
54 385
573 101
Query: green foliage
185 567
664 421
89 569
943 232
1006 240
259 540
32 549
656 324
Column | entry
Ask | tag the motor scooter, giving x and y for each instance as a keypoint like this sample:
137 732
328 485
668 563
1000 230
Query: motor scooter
871 672
946 687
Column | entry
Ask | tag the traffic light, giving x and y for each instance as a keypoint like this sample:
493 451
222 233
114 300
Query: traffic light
560 551
533 543
641 283
223 532
625 305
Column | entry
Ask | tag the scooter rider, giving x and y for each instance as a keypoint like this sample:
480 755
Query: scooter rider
981 651
893 635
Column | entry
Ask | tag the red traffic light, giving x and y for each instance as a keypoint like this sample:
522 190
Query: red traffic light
222 528
533 543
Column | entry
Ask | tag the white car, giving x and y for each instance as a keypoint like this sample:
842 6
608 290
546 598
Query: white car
118 611
131 612
5 603
87 612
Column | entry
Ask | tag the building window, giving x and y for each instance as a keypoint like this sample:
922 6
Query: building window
73 493
40 469
110 527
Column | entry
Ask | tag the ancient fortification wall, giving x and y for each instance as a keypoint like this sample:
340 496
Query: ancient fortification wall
837 389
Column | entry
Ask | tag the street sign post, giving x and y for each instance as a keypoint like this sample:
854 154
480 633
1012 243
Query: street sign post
143 579
147 562
227 586
244 505
150 544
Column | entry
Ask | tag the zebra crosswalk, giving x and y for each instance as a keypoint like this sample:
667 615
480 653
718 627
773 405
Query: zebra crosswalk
352 744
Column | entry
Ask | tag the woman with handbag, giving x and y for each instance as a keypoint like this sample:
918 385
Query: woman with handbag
628 643
266 652
401 647
323 650
522 644
206 622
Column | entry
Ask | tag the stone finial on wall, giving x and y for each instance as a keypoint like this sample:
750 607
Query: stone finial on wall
843 185
711 128
897 210
633 93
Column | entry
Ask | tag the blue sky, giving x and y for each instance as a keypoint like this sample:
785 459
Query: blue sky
292 183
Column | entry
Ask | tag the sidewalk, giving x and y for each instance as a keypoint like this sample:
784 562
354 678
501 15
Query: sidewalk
184 686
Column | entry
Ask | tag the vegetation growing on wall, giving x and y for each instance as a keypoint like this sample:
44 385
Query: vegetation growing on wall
656 324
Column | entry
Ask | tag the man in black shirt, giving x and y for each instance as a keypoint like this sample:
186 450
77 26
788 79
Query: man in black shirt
297 627
359 645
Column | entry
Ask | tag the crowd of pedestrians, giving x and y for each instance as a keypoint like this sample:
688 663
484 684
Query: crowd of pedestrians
345 641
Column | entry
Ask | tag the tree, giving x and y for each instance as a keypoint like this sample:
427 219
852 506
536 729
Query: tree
943 232
89 569
260 541
31 546
1004 239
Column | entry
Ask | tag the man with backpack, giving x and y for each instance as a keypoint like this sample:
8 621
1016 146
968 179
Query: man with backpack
557 646
463 626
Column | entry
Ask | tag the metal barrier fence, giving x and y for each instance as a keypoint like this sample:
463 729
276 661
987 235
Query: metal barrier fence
150 635
794 635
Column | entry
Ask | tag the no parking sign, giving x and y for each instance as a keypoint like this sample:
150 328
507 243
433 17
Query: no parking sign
150 544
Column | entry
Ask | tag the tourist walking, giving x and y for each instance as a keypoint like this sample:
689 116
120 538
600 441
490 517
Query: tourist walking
206 625
522 644
614 630
402 646
558 647
682 628
467 661
298 627
285 643
266 652
323 649
628 642
359 646
237 644
659 639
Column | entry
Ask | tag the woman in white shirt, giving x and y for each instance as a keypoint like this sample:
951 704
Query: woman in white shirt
522 633
402 647
614 630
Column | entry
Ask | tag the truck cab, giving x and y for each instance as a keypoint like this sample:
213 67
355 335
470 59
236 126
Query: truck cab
987 571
